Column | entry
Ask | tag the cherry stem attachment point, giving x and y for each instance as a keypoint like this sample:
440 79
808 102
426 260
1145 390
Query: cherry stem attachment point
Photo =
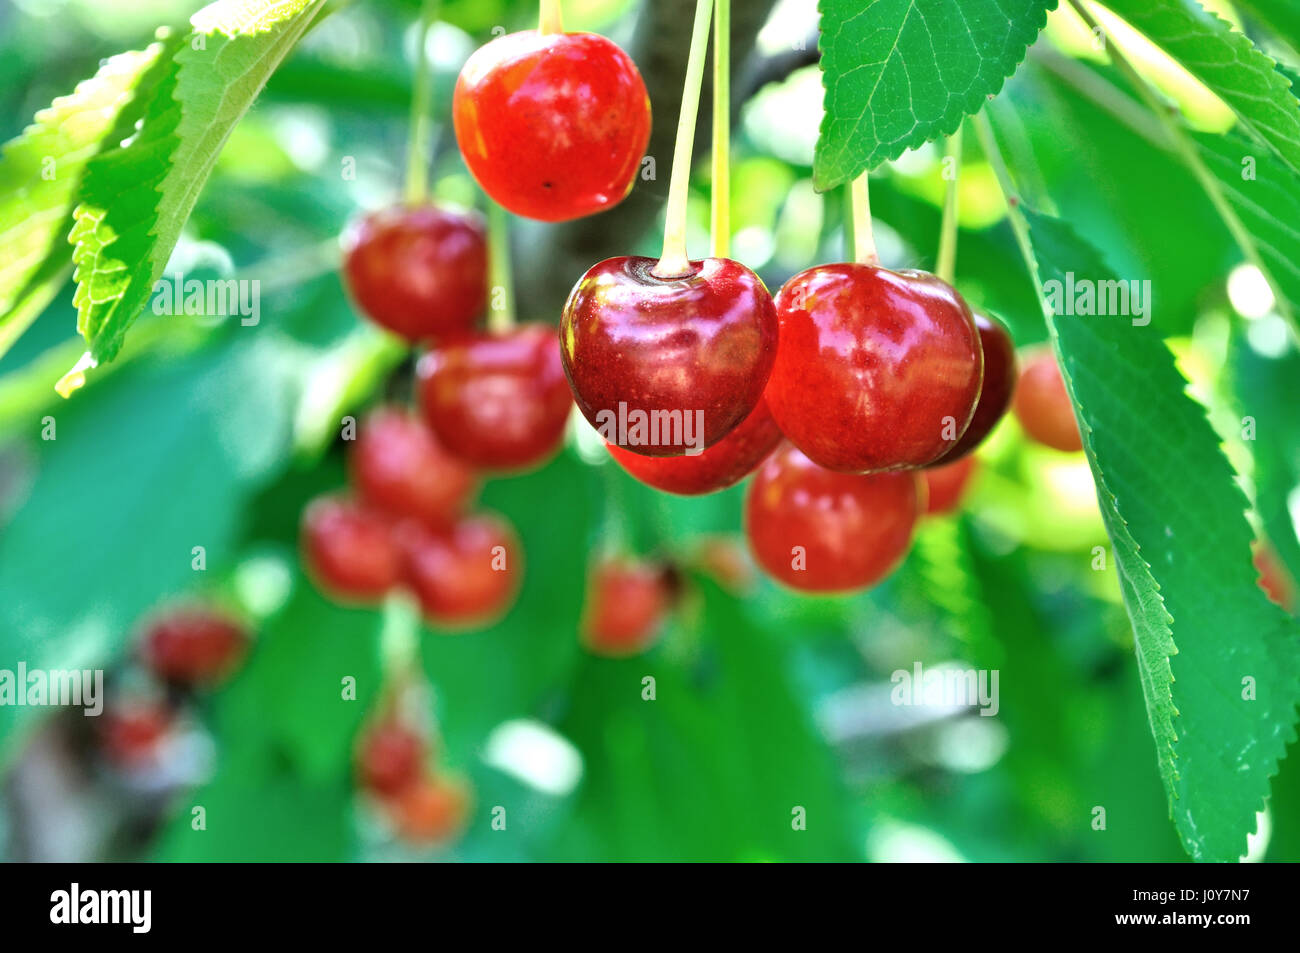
945 265
720 224
864 242
550 19
419 148
501 301
674 263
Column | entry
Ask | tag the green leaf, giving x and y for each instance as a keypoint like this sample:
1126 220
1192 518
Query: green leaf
136 199
1182 549
898 73
40 171
1228 63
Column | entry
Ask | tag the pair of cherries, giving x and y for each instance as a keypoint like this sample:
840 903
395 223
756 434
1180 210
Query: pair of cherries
424 804
407 526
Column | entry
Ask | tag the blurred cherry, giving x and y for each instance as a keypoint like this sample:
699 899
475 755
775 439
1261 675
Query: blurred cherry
132 731
946 485
818 530
724 464
391 757
498 400
349 549
193 646
465 575
1042 405
397 464
431 810
626 604
418 270
1273 577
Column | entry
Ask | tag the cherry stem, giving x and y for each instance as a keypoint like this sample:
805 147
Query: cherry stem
864 242
551 19
399 637
721 205
674 263
419 148
1187 150
945 265
1019 226
501 304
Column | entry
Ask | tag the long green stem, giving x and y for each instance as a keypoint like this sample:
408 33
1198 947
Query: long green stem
1019 226
721 208
550 19
1186 148
864 240
674 263
420 146
501 313
945 265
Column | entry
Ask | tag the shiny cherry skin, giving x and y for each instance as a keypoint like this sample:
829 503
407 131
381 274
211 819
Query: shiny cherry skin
724 464
466 575
418 270
391 758
349 550
639 347
398 465
433 810
1273 577
817 530
946 485
876 369
553 126
1000 372
499 401
193 646
1042 405
627 601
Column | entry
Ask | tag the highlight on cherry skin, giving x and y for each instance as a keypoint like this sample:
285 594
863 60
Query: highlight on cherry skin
667 366
553 126
498 400
419 271
823 531
876 369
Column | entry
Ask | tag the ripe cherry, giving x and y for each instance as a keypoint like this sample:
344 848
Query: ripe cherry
1273 577
552 125
418 270
432 810
390 758
1043 407
1000 372
625 607
876 369
724 464
397 464
349 549
193 646
659 366
465 575
498 401
946 484
821 531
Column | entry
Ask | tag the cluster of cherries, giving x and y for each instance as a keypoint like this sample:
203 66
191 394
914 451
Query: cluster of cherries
396 765
840 392
183 650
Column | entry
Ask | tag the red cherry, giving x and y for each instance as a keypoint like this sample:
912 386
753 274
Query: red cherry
553 126
132 732
193 646
418 270
625 606
1000 372
724 464
432 810
876 370
821 531
398 465
466 575
391 758
349 550
947 484
1043 407
1273 577
680 356
498 401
